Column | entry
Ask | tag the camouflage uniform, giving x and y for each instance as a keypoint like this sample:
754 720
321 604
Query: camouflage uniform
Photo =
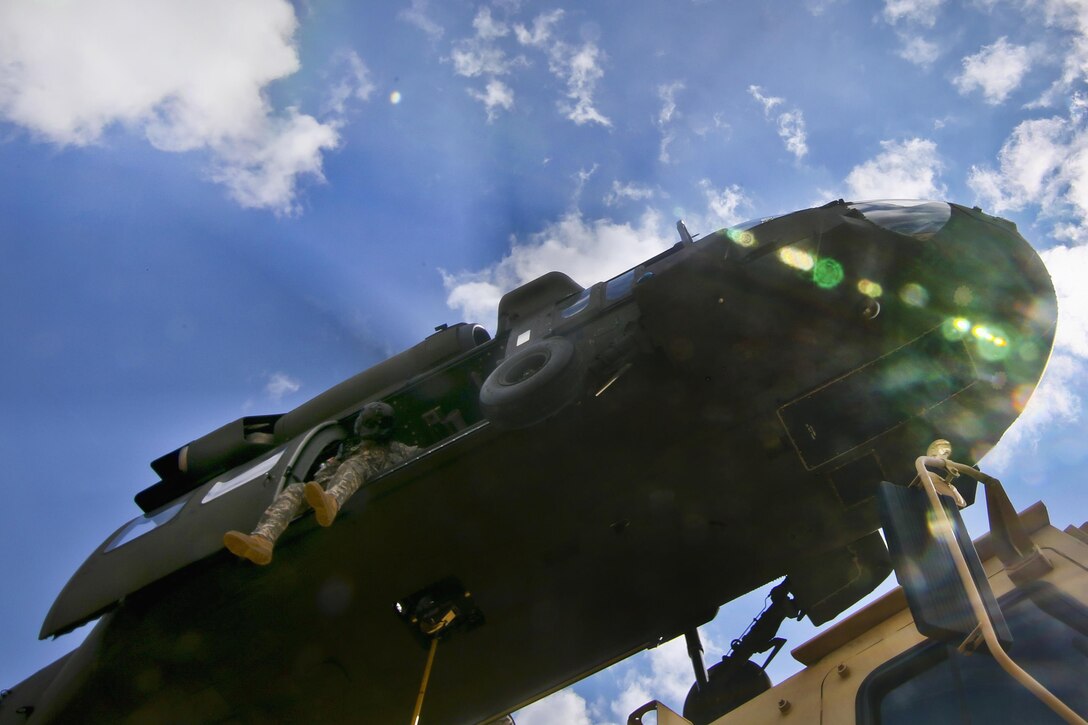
363 461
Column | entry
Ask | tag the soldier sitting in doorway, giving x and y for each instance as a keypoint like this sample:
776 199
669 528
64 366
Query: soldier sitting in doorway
372 452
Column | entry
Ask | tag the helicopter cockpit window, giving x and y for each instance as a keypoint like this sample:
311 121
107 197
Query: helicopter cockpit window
576 304
921 219
144 524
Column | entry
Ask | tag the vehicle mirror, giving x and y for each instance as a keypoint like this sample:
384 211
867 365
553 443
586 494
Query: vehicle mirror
926 570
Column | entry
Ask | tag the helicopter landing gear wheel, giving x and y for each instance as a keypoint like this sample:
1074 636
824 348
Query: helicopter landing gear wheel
533 384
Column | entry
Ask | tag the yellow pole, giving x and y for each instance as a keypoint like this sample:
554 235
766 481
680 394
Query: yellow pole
423 685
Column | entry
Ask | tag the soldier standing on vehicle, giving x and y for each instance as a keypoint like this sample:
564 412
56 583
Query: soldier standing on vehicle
373 452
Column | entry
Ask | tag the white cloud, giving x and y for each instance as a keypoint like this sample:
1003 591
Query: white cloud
588 251
565 706
541 31
667 94
190 76
791 128
791 123
472 58
1068 268
1072 17
902 170
1044 161
477 294
725 205
996 70
922 12
919 51
768 102
487 28
497 95
577 66
716 122
674 124
354 84
668 680
417 15
262 171
480 55
819 7
627 192
580 179
580 68
279 385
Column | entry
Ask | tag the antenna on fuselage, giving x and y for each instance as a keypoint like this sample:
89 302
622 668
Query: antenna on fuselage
685 235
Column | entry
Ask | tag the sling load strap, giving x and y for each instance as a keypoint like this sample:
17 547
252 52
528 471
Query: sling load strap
423 684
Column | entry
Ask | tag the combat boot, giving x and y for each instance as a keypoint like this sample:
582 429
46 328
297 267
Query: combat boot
324 503
254 547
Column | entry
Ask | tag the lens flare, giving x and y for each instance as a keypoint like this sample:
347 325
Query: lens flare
963 296
394 97
1029 352
955 328
870 288
1020 396
827 273
797 258
993 343
980 449
743 237
914 295
936 525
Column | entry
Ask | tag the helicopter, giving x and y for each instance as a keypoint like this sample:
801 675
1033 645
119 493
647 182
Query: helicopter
599 476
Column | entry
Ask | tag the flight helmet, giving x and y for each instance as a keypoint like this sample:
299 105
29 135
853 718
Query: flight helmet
375 422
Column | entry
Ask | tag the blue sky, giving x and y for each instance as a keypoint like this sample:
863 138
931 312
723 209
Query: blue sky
209 210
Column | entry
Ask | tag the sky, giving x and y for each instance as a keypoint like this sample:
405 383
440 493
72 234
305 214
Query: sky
213 209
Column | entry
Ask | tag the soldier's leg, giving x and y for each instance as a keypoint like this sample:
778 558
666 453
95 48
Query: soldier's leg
326 504
286 506
349 479
257 546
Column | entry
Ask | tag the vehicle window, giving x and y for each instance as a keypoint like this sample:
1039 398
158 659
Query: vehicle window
935 684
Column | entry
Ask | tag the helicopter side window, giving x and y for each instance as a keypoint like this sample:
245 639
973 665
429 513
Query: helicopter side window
619 286
145 524
576 305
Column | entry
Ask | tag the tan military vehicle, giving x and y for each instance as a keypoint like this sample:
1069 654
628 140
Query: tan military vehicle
899 660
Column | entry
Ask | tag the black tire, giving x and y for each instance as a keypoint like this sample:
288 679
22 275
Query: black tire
533 384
